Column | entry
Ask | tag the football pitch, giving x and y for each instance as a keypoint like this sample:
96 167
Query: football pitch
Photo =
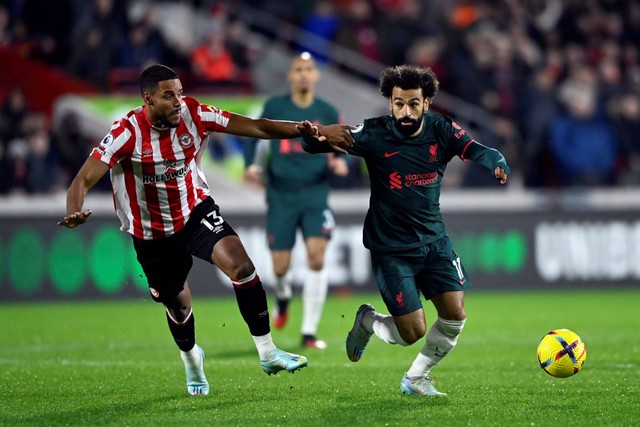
114 363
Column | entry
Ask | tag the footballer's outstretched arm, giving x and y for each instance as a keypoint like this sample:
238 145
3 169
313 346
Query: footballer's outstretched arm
88 175
490 158
261 128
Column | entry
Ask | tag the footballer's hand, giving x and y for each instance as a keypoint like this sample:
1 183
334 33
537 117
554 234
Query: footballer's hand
501 175
337 136
308 128
337 165
75 219
253 175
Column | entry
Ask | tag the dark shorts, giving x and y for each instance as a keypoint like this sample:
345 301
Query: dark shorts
166 262
432 269
313 217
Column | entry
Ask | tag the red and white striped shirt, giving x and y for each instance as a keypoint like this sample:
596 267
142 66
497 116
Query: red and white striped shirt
156 173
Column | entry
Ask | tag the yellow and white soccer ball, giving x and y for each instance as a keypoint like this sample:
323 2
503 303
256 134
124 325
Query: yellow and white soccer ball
561 353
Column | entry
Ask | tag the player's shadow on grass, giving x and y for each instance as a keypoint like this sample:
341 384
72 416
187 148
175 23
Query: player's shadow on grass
379 406
240 353
117 410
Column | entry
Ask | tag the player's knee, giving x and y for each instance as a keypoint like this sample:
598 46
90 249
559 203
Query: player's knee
413 333
280 271
316 264
461 317
241 270
179 313
454 312
315 261
456 315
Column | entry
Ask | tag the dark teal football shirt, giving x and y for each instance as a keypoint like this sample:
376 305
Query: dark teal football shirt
406 174
290 168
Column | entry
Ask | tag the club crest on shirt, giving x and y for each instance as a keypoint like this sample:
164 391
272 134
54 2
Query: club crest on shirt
107 140
433 151
185 139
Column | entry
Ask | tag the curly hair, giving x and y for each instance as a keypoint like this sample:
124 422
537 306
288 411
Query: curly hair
409 77
154 74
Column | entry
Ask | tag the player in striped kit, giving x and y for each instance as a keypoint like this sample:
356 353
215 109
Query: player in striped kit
162 199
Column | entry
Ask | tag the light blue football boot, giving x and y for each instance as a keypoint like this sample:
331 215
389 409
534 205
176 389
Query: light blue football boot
419 386
278 360
196 381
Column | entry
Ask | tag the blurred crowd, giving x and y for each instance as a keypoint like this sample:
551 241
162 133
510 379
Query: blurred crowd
559 79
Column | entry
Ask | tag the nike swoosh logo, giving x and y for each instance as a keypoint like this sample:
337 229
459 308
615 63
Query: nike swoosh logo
439 352
390 154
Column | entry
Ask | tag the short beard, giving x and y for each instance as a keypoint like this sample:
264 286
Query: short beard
407 130
167 124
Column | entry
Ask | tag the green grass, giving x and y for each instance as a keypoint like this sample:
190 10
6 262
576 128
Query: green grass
114 363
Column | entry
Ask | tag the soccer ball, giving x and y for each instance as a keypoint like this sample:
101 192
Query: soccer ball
561 353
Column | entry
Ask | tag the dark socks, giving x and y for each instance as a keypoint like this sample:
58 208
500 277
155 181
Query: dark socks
252 301
283 305
184 334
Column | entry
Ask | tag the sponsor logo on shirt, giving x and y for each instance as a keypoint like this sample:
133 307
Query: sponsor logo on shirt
397 182
288 146
420 179
168 175
170 165
460 131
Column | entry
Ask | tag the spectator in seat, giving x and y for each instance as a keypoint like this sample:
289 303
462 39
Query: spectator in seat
625 113
141 47
210 60
582 140
91 57
42 166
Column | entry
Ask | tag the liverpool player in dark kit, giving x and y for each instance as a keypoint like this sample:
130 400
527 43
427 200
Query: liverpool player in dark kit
406 155
297 189
163 200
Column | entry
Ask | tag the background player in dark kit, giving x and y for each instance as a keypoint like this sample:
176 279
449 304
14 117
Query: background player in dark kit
297 189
